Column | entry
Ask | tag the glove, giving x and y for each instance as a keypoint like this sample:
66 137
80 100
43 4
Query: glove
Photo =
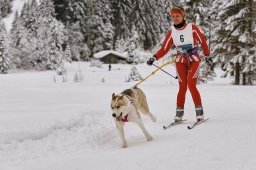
208 60
151 60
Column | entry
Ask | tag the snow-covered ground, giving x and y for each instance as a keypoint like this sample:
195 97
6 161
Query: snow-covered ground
68 126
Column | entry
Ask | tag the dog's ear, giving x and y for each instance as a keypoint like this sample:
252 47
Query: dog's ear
113 96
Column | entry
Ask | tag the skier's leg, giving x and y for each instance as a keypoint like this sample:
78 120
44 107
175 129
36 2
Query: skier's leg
182 75
192 81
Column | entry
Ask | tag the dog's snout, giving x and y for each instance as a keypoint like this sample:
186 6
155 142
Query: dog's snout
114 115
121 113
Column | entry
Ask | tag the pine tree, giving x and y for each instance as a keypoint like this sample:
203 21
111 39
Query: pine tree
121 45
86 53
75 16
20 35
134 75
108 35
20 44
105 23
63 13
235 39
122 10
95 38
15 30
198 12
25 14
68 54
50 36
100 29
5 8
175 3
76 41
132 44
4 55
149 17
32 17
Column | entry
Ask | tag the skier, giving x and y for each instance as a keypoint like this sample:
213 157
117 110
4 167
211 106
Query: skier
185 37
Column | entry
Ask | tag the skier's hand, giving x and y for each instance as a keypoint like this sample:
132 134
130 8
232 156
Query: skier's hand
208 60
151 60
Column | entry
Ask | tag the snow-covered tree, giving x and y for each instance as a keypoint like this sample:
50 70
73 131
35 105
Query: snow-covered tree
95 37
132 44
134 75
75 15
86 53
5 8
24 15
149 17
20 44
198 12
50 36
4 55
67 53
121 45
31 18
235 39
20 35
108 35
100 29
105 23
76 41
122 10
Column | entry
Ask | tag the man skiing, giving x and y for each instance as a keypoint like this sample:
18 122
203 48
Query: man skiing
185 37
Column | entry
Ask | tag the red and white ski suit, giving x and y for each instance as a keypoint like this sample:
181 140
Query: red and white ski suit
187 65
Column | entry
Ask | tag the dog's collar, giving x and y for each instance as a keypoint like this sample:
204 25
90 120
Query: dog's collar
125 118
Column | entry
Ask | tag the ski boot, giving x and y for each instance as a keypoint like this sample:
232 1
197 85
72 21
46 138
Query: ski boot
179 114
199 113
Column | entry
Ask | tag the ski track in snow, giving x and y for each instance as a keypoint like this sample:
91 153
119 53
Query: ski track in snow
82 133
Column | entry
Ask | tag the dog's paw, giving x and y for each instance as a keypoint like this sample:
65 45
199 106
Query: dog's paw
149 138
124 146
153 118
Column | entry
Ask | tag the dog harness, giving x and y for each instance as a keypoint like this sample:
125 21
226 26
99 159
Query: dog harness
125 118
184 39
190 56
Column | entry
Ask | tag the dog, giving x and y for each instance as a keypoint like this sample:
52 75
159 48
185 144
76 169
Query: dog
126 107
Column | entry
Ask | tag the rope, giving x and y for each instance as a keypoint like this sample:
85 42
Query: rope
158 68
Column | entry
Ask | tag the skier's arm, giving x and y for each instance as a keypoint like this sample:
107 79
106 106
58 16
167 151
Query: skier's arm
165 46
200 37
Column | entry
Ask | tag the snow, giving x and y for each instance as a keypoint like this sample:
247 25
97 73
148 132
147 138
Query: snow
102 54
46 125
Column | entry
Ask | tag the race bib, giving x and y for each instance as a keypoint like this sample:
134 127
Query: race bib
183 39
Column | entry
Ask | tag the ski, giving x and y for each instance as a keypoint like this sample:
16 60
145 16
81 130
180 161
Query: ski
173 124
197 123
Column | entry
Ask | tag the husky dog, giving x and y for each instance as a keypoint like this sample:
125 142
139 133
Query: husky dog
126 107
